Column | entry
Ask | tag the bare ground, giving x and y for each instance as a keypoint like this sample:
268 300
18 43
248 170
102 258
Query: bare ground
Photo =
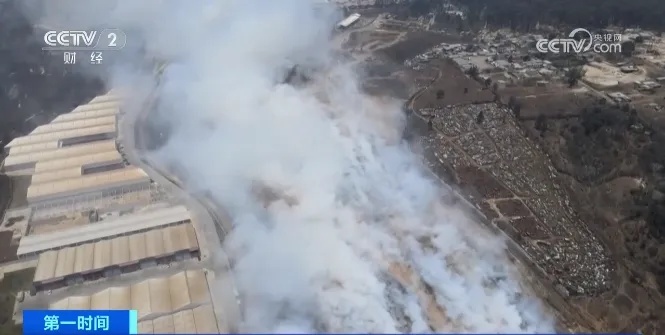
453 87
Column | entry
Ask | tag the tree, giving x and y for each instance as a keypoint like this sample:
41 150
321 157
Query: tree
541 123
515 106
573 75
440 94
420 7
593 15
632 118
512 101
625 108
460 24
473 72
480 117
517 109
627 48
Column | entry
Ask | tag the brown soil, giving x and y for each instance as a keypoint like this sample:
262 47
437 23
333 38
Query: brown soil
457 88
473 178
487 209
554 103
512 208
415 43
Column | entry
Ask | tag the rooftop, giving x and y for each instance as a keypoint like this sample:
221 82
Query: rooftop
61 135
108 228
154 299
118 251
64 163
59 153
75 124
69 117
83 183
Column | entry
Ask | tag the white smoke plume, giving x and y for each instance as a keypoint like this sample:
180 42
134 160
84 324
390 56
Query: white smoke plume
337 226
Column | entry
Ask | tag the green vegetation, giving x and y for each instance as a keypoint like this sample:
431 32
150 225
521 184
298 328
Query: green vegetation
573 75
473 72
627 48
526 14
480 117
515 106
423 7
653 200
541 124
10 285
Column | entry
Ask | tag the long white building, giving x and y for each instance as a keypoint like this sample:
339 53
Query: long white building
349 21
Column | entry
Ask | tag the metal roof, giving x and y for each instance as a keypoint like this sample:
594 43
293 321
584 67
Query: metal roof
102 255
74 124
164 325
62 134
85 258
96 256
59 153
96 106
105 98
37 147
105 229
50 176
63 163
351 19
200 320
49 257
70 117
86 183
154 299
183 322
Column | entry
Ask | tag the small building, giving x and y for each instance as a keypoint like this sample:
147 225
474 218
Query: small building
463 63
545 72
647 85
628 69
349 21
619 97
502 64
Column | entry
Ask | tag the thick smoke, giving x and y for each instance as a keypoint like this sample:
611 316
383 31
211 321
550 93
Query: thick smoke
337 226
